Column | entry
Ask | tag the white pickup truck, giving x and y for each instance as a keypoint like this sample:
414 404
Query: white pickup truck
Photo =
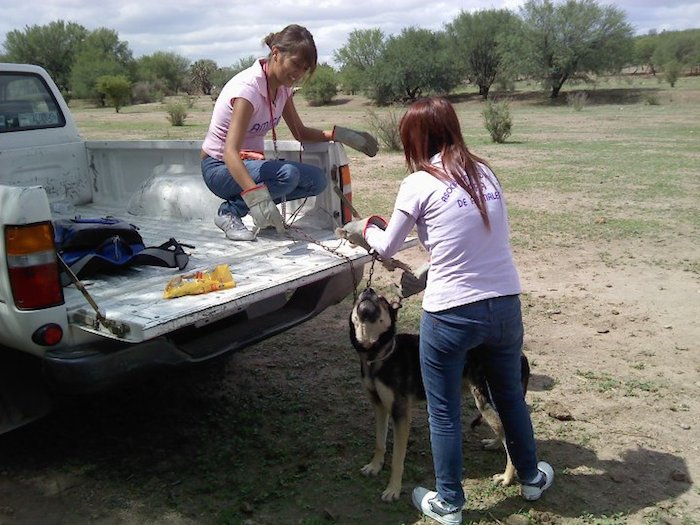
52 339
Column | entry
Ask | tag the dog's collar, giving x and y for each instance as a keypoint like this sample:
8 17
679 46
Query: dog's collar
386 355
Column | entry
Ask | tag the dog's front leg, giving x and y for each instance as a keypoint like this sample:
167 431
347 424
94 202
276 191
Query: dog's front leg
381 420
402 424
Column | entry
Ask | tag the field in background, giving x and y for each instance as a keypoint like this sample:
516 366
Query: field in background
605 219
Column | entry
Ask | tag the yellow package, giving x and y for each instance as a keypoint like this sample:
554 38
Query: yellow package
203 281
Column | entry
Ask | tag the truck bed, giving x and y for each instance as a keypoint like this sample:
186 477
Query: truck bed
270 268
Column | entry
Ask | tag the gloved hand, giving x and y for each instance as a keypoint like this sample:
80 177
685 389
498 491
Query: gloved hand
413 283
359 140
354 231
262 208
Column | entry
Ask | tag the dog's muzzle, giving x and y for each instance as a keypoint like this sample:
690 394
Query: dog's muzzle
368 309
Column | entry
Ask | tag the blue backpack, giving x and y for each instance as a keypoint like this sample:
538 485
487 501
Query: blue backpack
95 246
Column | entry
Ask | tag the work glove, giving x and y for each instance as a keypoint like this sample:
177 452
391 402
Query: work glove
414 282
359 140
354 231
262 208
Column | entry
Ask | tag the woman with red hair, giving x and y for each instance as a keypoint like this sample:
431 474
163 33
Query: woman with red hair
472 296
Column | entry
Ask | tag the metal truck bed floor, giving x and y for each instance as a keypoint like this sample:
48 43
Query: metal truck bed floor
270 267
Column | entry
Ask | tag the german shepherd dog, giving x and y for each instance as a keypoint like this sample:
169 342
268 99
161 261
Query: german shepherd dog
390 369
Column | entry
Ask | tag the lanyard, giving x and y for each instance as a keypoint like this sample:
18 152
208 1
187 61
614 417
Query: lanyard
272 117
274 135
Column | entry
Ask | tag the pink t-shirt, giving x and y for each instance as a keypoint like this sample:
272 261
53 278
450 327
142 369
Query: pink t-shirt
468 262
250 84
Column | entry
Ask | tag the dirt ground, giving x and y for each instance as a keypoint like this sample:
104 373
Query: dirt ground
614 395
277 433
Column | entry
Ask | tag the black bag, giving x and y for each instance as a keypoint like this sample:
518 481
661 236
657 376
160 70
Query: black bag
103 245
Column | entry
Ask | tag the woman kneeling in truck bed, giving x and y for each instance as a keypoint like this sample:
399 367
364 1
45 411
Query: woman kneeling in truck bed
249 105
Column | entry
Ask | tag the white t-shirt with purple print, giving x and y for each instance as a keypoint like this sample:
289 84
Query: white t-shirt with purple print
468 261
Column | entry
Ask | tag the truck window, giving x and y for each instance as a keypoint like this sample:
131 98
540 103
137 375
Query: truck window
26 102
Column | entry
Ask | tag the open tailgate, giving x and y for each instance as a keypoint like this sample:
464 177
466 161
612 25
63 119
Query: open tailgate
266 271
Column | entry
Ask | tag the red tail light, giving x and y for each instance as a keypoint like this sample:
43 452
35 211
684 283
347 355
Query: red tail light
33 267
346 188
48 335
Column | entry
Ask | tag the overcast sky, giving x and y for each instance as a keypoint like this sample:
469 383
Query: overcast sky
226 31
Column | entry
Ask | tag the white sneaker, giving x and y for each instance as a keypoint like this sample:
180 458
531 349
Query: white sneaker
430 504
533 490
233 227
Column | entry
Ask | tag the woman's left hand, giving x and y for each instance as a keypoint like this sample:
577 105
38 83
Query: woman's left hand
354 231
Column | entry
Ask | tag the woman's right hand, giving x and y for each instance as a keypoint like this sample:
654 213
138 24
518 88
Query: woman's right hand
262 208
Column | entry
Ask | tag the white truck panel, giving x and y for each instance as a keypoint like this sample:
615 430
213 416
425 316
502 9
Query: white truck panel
48 172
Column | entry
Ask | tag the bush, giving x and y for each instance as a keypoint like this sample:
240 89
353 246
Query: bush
577 100
177 113
497 120
505 83
116 89
67 95
145 92
140 93
189 100
672 71
321 87
215 91
651 99
386 128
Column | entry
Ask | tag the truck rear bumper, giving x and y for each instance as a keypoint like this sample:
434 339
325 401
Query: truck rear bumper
96 367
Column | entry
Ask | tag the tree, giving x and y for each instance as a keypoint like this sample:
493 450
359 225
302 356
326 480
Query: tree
358 57
321 87
224 74
201 75
107 41
415 63
573 39
678 49
644 49
352 80
101 54
362 50
54 47
89 66
116 90
478 39
167 66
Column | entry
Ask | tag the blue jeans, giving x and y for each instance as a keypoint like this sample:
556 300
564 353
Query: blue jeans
285 180
446 338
